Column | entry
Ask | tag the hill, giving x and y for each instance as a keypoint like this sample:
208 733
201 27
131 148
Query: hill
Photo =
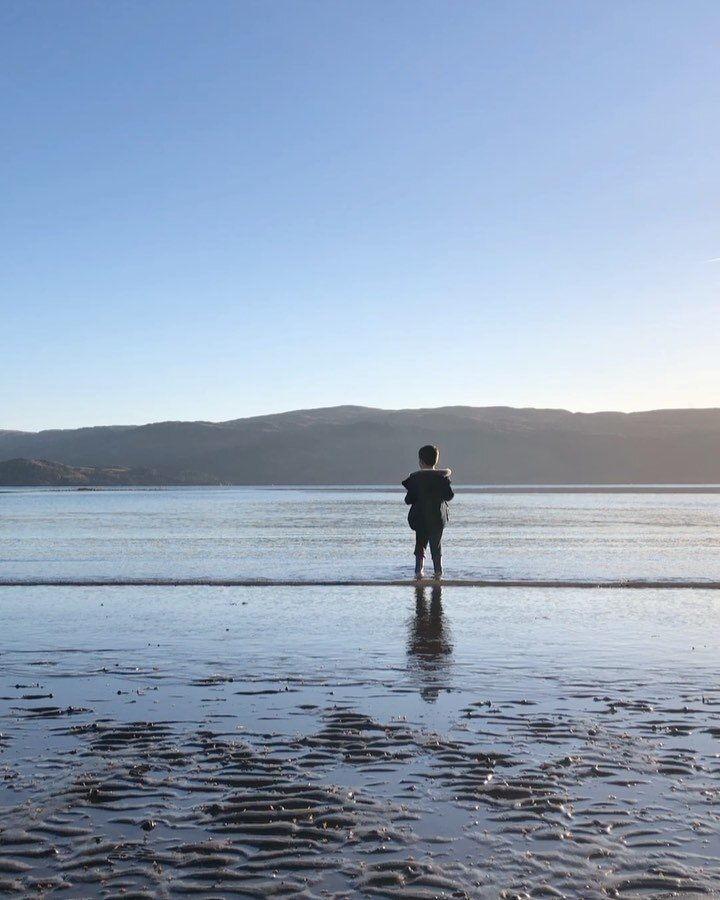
360 445
43 473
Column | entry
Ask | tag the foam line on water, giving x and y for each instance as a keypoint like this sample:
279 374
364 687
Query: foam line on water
320 582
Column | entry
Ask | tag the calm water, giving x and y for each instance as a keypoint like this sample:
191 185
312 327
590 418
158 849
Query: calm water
352 534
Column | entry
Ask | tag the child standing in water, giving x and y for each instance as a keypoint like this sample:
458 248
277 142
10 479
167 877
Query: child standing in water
428 493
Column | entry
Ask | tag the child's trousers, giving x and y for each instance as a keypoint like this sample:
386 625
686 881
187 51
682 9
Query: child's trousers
434 538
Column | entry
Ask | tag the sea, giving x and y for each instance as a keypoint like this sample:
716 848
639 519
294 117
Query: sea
358 739
356 533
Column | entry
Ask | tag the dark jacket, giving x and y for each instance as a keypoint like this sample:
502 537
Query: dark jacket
428 491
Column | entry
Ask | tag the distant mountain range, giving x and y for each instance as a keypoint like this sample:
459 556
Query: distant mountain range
359 445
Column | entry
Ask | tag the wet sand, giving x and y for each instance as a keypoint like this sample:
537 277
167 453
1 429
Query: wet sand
350 741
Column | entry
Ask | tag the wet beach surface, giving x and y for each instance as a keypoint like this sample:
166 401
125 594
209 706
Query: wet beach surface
335 742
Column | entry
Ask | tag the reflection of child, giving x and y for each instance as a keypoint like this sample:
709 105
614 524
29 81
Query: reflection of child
430 643
428 492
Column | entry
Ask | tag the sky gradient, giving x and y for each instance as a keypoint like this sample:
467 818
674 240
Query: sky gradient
218 210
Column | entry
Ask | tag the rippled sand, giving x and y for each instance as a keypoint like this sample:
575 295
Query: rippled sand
332 743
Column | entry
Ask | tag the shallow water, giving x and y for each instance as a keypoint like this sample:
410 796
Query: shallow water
330 742
348 534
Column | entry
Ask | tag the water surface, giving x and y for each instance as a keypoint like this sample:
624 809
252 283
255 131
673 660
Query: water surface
353 533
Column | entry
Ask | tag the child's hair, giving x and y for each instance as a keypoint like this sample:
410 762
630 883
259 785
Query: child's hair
429 455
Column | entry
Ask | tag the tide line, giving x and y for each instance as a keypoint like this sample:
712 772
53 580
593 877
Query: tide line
635 584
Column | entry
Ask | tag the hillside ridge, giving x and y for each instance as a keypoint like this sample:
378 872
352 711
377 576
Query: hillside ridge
366 445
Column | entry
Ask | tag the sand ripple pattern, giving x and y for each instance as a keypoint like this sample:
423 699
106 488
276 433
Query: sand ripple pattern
241 784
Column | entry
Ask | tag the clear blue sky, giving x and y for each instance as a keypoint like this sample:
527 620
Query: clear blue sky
212 210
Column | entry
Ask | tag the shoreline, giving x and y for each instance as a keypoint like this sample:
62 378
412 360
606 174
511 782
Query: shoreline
630 584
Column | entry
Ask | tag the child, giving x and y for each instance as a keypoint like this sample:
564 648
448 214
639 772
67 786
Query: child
428 491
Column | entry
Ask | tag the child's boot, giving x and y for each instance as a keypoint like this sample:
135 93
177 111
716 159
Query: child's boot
419 570
437 565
